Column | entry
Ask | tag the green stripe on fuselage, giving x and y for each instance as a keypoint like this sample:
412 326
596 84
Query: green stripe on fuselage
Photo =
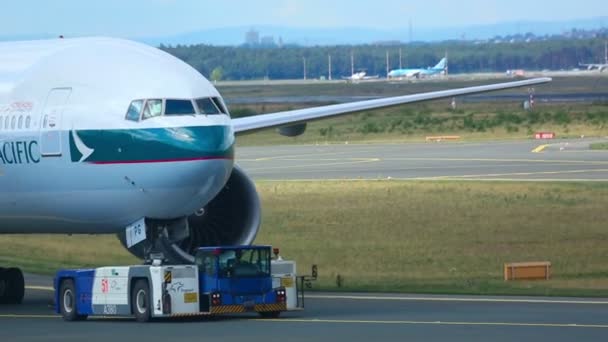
154 144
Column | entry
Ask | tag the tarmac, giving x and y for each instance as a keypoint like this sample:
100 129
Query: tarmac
529 160
331 317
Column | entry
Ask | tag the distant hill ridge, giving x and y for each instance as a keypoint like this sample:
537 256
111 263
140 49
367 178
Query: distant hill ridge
359 35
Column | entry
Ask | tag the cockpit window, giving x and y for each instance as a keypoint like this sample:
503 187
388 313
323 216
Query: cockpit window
135 110
207 106
153 108
179 107
219 104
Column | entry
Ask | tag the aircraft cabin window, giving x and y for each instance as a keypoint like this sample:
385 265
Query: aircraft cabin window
153 108
6 120
179 107
1 122
135 110
13 122
28 121
206 106
20 124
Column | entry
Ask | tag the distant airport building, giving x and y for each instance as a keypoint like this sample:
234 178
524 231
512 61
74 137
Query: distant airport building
267 41
252 37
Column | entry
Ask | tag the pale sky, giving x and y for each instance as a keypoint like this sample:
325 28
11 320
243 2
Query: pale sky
146 18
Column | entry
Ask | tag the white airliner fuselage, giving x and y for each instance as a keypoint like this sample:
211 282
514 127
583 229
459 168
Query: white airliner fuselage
70 161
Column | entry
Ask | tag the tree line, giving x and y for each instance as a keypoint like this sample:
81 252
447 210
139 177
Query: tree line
242 63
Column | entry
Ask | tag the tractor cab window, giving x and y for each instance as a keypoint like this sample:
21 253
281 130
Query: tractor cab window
206 263
244 263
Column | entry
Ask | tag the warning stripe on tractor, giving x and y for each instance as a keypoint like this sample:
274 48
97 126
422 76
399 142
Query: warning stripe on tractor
195 314
240 308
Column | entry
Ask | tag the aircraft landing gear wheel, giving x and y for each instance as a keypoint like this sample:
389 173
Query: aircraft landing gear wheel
67 302
12 286
140 301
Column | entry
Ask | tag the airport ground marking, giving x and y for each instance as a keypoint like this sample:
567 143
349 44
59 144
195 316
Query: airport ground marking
352 161
518 174
28 316
349 162
523 160
371 170
443 179
564 180
40 288
540 148
296 156
43 316
447 323
462 299
439 159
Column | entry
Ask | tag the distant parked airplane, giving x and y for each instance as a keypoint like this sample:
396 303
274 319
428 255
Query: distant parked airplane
360 75
440 68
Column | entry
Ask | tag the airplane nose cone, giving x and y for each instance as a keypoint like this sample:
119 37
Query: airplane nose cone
173 171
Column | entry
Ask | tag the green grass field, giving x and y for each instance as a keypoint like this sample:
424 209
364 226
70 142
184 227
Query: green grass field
434 237
479 121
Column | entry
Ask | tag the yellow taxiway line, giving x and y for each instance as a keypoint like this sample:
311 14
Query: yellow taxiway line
540 148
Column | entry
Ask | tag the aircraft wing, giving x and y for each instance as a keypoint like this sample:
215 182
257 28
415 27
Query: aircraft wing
293 117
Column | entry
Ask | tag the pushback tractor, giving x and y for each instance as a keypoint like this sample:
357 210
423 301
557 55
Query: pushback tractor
223 280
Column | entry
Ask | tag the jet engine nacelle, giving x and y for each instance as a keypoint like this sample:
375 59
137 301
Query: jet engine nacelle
293 130
232 218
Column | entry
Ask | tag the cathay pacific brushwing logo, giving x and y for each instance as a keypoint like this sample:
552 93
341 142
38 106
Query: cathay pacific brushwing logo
78 148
